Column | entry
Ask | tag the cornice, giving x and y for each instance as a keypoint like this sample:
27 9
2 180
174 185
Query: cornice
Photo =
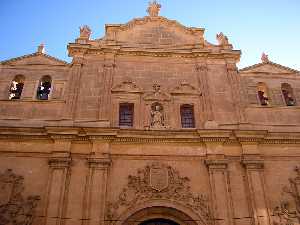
249 68
115 135
7 62
193 52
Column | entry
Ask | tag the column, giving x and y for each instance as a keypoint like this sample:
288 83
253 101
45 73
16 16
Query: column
59 165
96 189
254 166
220 190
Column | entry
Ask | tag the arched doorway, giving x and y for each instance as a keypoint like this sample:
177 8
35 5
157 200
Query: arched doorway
159 215
159 222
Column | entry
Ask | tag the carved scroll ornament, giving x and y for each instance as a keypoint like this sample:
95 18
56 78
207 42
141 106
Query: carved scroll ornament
14 208
284 214
157 181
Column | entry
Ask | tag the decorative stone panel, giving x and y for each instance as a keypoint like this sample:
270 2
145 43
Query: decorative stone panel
158 181
14 208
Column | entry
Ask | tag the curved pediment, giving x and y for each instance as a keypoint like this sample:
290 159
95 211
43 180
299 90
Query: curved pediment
185 89
127 86
157 94
154 32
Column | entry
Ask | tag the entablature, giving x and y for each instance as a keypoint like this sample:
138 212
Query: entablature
114 135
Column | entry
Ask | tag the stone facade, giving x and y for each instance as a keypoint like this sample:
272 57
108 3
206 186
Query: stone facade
149 122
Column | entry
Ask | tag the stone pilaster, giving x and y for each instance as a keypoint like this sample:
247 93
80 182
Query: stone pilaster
72 88
234 81
256 187
220 188
96 189
59 165
203 84
108 74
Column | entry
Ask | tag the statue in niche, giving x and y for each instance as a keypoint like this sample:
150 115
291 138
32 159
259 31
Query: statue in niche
157 116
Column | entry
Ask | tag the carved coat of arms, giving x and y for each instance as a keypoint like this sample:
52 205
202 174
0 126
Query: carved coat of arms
158 181
159 177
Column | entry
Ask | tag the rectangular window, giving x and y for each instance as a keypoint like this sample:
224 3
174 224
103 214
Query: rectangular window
126 114
187 116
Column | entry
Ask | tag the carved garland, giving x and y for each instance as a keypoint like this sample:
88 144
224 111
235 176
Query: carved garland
157 181
14 209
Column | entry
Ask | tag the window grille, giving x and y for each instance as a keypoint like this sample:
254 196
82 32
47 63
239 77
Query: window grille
187 116
126 114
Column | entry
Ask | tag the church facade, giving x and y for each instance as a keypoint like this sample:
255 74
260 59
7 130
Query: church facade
149 125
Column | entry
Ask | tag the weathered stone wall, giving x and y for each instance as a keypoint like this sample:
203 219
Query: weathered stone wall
75 185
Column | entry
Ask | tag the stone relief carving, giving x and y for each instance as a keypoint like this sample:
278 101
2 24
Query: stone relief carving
157 94
284 215
14 208
158 181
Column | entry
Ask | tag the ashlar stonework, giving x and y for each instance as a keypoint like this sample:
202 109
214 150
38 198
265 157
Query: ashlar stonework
150 124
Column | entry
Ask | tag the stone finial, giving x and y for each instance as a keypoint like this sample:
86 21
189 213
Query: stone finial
222 39
153 9
85 32
264 58
41 48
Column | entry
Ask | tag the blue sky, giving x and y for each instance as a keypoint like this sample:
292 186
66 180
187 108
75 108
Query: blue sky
252 26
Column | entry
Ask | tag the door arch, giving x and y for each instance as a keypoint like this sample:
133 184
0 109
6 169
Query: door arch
159 221
159 215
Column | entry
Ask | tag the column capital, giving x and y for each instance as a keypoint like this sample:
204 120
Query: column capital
60 160
99 162
216 163
201 67
253 162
